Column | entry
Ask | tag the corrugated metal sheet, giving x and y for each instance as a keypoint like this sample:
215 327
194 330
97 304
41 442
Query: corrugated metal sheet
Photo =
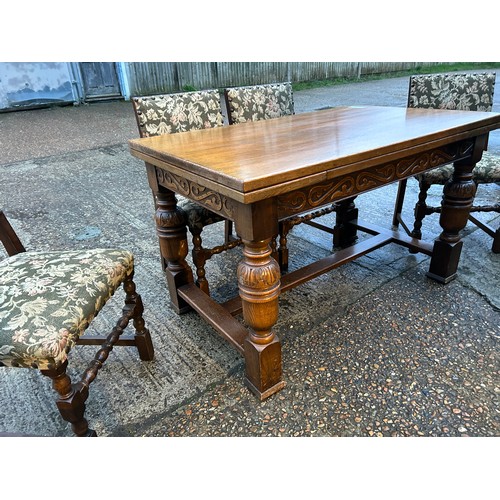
157 77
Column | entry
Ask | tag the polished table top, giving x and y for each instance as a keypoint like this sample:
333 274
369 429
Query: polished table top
259 173
255 160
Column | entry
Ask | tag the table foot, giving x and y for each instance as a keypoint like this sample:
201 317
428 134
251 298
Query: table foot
174 281
263 368
264 395
444 262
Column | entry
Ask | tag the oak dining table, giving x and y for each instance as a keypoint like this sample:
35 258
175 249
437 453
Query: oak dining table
257 174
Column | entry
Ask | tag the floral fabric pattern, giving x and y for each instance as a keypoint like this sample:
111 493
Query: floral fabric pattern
259 102
169 114
467 92
486 171
48 299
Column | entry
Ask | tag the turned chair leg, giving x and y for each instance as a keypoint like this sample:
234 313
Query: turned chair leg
71 401
228 231
72 397
143 340
284 229
398 207
420 210
199 261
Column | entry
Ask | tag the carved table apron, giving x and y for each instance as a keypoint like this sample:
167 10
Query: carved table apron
260 173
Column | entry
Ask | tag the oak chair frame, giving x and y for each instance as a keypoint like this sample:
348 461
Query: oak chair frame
199 253
72 396
421 209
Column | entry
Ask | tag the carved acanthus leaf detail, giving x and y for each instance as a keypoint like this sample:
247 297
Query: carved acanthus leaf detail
259 277
167 219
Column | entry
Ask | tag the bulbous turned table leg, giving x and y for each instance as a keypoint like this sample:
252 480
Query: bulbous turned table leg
172 233
259 289
458 195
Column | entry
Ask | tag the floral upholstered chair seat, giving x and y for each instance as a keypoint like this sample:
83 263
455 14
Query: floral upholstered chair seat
48 299
486 171
259 102
197 216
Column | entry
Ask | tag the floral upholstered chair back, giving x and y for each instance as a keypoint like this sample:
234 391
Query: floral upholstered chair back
259 102
172 113
467 92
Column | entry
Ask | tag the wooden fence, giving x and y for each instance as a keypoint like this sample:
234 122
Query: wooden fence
157 77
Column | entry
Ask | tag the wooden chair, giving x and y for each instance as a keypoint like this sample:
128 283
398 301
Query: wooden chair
263 102
174 113
471 92
48 300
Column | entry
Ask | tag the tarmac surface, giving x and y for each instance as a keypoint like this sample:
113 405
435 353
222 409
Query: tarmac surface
373 348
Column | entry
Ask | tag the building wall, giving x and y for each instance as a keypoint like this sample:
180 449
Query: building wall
30 84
